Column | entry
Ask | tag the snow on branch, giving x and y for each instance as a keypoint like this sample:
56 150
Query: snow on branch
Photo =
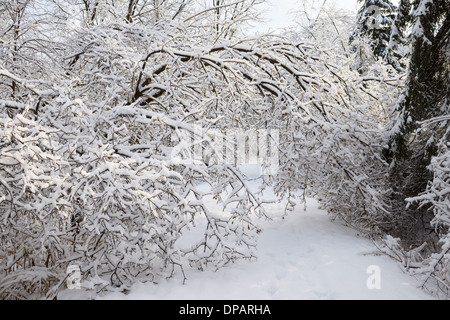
101 175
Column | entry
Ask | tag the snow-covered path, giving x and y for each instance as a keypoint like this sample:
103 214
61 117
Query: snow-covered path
305 256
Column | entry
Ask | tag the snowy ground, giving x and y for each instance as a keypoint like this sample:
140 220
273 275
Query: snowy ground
304 256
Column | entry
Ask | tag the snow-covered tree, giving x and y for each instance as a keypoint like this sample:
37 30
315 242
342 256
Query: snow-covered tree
103 191
412 147
228 18
419 138
25 49
398 49
93 173
337 156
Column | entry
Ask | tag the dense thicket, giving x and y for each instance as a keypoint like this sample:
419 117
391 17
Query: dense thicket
97 99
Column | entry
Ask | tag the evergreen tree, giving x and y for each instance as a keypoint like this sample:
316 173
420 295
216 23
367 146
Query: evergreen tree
412 146
398 41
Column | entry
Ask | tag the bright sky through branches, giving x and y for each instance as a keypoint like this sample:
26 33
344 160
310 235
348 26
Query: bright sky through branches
281 13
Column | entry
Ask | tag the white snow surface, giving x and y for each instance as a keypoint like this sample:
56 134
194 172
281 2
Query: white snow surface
304 256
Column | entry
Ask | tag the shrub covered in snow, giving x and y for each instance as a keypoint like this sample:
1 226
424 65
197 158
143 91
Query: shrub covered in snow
96 171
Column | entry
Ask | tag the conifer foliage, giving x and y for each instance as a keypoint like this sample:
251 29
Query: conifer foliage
397 49
420 138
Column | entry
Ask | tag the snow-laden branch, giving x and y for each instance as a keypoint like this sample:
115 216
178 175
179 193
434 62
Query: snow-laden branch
102 175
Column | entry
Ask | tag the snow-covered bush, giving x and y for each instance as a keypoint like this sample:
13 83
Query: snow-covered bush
334 149
89 177
32 199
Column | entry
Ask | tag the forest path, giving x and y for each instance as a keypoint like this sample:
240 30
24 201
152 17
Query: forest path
303 256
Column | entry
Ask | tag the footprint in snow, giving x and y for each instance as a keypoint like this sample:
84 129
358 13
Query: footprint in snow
272 289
